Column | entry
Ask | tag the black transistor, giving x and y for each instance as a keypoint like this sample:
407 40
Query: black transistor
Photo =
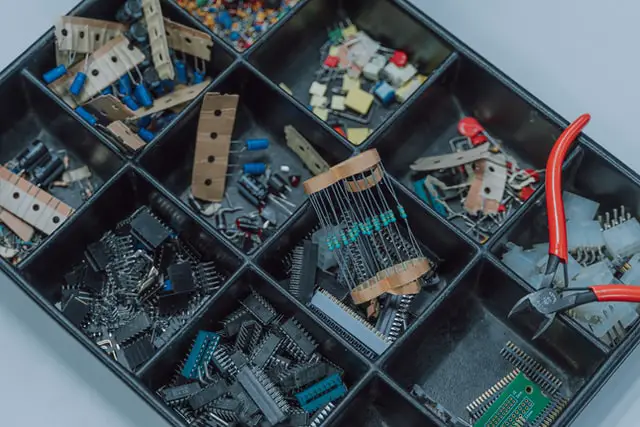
260 308
136 326
181 278
76 311
266 349
300 343
138 352
149 230
180 392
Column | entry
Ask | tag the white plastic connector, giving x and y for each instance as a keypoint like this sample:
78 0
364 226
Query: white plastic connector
398 76
578 208
623 240
523 264
584 234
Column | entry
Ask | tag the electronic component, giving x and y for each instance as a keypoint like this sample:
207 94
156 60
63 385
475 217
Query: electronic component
148 229
298 341
76 311
158 38
358 100
248 336
479 406
208 394
181 277
139 324
201 354
266 349
531 368
302 375
180 393
138 352
232 323
97 255
321 393
521 401
348 324
259 308
265 394
303 149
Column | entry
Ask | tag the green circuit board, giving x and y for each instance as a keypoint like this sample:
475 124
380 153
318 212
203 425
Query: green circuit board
521 401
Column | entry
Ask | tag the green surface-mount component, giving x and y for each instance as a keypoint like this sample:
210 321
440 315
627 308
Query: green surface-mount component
520 402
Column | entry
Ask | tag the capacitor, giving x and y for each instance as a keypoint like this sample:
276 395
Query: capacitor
181 71
87 116
80 79
275 185
124 85
54 74
168 85
130 102
198 77
31 155
138 32
165 120
256 168
250 197
107 91
256 189
143 96
224 19
129 12
44 175
144 122
152 80
146 134
280 180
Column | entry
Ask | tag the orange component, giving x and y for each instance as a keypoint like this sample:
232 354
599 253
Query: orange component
241 13
191 6
201 12
209 22
340 131
260 16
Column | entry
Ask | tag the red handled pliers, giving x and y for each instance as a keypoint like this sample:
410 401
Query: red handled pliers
548 301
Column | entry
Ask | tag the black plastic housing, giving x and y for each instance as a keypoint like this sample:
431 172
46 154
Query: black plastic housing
452 348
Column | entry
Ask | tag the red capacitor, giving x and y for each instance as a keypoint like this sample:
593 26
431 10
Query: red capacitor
399 58
294 180
332 61
469 127
526 192
340 130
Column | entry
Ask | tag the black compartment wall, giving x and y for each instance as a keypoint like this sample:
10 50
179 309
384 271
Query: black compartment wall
452 349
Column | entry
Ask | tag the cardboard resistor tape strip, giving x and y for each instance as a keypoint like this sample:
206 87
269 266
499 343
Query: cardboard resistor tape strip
158 39
409 289
365 183
494 182
177 97
126 135
211 159
31 204
85 35
23 230
397 276
303 148
350 167
110 107
103 70
188 40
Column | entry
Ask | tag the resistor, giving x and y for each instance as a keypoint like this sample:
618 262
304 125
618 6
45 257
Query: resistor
246 224
250 197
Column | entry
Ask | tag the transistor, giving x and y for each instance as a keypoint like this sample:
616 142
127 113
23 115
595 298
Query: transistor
299 341
180 393
260 308
148 229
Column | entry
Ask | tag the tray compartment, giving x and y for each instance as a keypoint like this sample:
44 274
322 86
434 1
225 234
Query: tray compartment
32 116
445 248
46 270
466 89
262 113
297 45
598 178
162 370
378 404
43 56
454 354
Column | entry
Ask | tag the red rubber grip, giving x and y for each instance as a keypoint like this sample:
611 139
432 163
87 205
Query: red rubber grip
616 293
553 181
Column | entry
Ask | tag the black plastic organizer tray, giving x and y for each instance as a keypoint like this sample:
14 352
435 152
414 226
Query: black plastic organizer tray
452 349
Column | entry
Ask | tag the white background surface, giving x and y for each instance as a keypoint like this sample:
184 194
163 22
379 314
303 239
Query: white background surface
576 56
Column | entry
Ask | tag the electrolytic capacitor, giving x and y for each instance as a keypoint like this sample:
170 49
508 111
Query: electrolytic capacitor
181 71
54 74
168 85
256 189
246 224
130 102
146 134
129 12
198 77
87 116
144 122
107 91
31 155
124 85
275 185
152 80
142 95
49 172
80 79
256 168
138 32
252 145
165 120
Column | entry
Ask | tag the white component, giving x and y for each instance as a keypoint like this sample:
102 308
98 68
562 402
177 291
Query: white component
632 276
317 89
337 103
362 48
285 169
372 70
584 234
318 101
578 208
623 240
516 259
409 88
398 76
326 259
